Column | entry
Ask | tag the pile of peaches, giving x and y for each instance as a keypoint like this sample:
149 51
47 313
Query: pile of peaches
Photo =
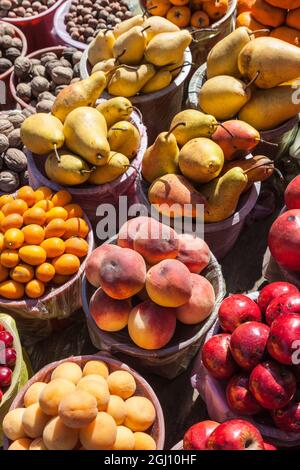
185 13
82 408
148 280
42 240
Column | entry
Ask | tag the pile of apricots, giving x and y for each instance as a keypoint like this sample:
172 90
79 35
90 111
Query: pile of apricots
42 241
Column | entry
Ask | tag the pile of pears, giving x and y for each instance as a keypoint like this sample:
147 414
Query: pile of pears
84 142
254 79
200 162
140 55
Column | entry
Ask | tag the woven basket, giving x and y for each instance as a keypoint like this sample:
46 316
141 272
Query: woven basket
143 389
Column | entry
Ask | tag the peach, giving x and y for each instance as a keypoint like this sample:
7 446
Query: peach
121 383
57 436
93 263
129 230
124 439
98 390
100 434
169 284
67 371
200 304
78 409
12 424
96 368
52 395
109 314
32 394
117 409
193 252
156 241
151 326
143 441
38 444
95 377
34 420
141 413
20 444
122 273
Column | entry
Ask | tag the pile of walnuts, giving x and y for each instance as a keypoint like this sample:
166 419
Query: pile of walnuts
10 47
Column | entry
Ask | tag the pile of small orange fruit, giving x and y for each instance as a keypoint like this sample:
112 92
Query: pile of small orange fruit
42 241
195 13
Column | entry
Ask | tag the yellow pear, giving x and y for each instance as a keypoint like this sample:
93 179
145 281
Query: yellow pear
175 68
130 47
161 80
82 93
66 168
269 60
85 132
126 25
223 58
115 110
158 25
165 48
101 48
105 66
124 138
223 96
128 81
116 165
195 124
268 109
41 133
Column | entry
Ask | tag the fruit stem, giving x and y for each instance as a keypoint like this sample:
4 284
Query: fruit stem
119 56
185 64
99 157
267 142
56 153
117 129
264 30
253 80
225 129
175 127
262 165
88 171
145 29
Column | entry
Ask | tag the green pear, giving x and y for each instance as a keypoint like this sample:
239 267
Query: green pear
223 96
101 48
223 194
129 48
116 165
195 124
85 131
223 58
128 81
165 48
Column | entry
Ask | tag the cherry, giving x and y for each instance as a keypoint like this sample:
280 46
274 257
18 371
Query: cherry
10 357
6 338
5 376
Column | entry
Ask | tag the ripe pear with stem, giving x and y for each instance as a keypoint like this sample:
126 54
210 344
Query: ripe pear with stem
130 46
101 48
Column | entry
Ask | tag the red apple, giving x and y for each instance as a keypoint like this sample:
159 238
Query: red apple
237 309
269 446
248 344
286 303
292 194
239 397
272 385
217 358
6 338
197 436
284 240
273 290
5 376
10 357
284 339
236 434
288 418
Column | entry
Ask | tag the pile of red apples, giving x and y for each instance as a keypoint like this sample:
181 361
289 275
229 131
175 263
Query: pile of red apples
149 280
257 355
8 358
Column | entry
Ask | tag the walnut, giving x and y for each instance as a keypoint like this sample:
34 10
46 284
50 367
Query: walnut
62 75
38 71
49 56
16 119
9 181
38 85
4 144
12 54
6 127
51 65
24 91
76 57
60 88
15 140
44 106
15 160
5 64
46 95
22 67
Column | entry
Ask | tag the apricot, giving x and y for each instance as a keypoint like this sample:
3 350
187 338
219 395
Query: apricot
76 227
95 377
32 394
14 207
34 289
13 238
93 262
122 273
51 396
56 213
5 198
44 204
33 234
98 390
61 198
143 441
11 290
76 246
117 409
55 228
54 247
129 230
109 314
151 326
38 444
78 409
169 283
200 304
67 371
156 241
27 194
96 368
193 252
13 425
100 434
140 415
74 210
20 444
32 254
43 192
57 436
124 439
34 420
35 215
4 272
66 264
9 258
121 383
11 221
22 273
45 272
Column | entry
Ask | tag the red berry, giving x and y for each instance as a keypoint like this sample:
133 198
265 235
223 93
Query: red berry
10 357
5 376
6 338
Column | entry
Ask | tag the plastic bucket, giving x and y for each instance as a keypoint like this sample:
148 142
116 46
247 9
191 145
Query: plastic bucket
38 29
159 108
283 135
